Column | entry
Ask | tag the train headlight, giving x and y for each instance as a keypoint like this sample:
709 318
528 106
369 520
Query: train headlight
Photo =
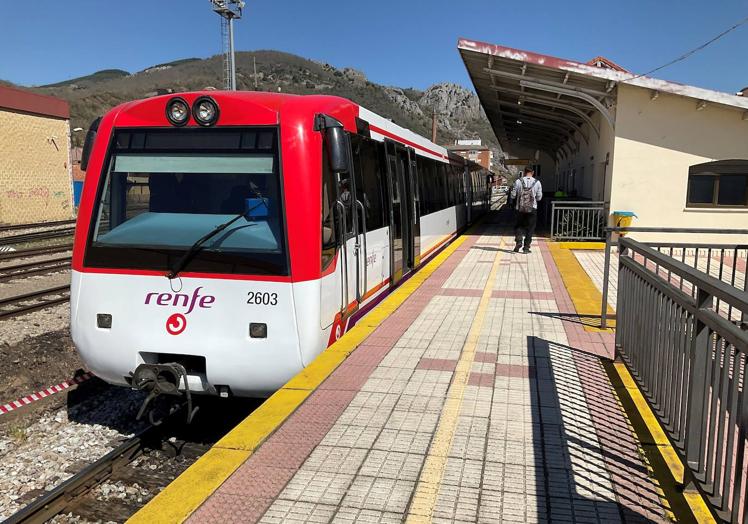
104 320
258 330
177 111
205 111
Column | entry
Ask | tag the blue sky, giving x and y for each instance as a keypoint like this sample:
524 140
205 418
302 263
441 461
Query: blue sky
403 43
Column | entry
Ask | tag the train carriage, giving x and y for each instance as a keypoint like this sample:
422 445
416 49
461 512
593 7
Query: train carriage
225 239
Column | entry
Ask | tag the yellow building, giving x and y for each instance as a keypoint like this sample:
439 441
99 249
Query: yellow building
675 155
35 167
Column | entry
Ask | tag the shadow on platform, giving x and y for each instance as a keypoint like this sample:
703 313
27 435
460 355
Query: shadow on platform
587 465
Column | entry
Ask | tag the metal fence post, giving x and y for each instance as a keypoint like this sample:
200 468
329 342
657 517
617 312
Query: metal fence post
700 352
553 216
606 279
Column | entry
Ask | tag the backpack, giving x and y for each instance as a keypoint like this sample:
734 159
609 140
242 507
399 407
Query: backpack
526 199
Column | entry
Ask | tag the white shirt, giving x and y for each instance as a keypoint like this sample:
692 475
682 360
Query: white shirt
527 181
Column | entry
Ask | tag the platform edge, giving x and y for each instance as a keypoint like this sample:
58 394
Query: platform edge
177 501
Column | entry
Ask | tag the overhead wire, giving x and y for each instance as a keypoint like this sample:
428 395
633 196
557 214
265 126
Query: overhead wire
692 51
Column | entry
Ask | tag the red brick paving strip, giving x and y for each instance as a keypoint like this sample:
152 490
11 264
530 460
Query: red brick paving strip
437 364
532 295
481 379
634 489
461 292
247 494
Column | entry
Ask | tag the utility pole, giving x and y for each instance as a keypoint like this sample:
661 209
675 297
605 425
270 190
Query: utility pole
433 125
254 66
228 10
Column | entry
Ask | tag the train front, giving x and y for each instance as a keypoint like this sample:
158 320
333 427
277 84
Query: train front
181 269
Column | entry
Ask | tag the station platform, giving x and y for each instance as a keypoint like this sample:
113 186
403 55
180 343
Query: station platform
474 393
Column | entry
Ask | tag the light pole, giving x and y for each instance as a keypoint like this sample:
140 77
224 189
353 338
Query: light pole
228 10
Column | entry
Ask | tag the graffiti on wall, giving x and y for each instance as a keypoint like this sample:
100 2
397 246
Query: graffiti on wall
39 194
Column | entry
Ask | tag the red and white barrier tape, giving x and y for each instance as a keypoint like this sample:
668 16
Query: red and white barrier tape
28 399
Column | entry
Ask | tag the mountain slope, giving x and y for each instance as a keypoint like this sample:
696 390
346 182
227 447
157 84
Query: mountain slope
458 110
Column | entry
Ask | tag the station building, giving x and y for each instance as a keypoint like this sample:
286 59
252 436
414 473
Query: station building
35 165
473 150
675 155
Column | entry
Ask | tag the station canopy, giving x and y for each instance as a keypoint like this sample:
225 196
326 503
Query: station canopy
543 102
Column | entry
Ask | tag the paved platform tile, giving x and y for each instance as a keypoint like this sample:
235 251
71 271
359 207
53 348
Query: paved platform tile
535 430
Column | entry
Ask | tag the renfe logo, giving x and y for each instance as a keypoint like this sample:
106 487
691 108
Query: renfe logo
175 324
181 300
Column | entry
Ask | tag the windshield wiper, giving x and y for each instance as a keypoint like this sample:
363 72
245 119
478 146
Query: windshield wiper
192 251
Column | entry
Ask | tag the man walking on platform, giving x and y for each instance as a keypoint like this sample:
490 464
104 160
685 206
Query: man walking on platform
526 193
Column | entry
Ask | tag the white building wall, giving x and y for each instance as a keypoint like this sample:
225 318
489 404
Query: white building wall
587 169
656 142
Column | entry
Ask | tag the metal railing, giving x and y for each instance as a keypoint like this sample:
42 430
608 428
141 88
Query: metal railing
578 220
690 362
723 261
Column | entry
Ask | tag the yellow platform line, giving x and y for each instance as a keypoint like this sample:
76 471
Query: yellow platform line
427 489
190 489
582 246
667 468
584 294
688 505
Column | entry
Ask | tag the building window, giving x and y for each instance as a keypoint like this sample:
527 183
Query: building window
723 183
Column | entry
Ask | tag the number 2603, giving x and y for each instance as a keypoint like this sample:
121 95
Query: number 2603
262 299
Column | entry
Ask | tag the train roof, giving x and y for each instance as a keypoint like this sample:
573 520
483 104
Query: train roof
273 104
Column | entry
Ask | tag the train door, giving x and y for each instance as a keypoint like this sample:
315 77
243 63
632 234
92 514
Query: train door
404 220
350 266
468 194
415 209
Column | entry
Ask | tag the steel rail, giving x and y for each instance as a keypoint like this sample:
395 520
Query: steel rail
38 235
19 309
23 253
34 268
65 494
16 227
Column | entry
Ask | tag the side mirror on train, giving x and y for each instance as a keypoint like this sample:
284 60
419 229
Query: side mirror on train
88 144
337 143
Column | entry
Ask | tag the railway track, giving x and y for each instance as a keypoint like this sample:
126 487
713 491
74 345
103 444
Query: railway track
37 235
145 463
64 497
17 227
34 268
27 302
33 252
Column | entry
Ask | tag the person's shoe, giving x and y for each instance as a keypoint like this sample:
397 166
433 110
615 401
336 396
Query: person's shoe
516 248
526 251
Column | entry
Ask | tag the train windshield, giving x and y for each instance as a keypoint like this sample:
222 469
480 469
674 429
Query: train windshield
166 189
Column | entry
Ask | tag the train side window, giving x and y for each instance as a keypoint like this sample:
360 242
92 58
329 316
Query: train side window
442 178
369 180
329 243
346 197
423 185
453 185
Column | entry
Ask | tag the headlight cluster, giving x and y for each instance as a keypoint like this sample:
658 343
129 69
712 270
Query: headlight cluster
204 111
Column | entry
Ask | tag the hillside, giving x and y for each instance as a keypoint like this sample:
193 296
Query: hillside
458 109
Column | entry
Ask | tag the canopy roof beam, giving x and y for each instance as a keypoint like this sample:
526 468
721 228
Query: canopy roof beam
554 127
536 137
521 78
567 124
521 94
552 102
576 93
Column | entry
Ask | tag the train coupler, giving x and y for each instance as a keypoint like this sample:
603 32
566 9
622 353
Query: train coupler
160 381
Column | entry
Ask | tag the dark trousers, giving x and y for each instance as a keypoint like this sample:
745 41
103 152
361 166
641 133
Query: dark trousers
524 228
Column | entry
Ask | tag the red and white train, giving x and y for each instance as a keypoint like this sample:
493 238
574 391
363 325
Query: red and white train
225 239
